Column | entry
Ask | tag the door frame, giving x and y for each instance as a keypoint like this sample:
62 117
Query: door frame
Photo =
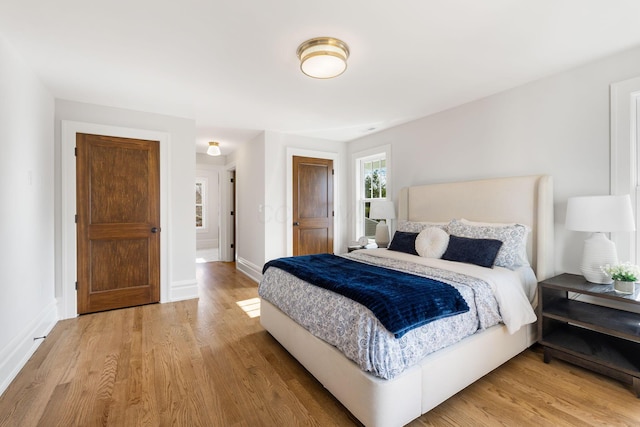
68 307
227 221
337 223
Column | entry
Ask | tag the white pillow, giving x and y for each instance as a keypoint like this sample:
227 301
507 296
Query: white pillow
418 226
432 242
491 224
512 254
523 258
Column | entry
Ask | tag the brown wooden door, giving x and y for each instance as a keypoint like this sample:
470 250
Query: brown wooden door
312 206
118 223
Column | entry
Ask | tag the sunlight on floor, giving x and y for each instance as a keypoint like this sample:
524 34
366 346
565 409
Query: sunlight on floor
250 306
206 255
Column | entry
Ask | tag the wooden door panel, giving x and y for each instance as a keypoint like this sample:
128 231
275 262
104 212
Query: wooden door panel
313 192
129 255
123 196
314 240
312 206
112 300
118 195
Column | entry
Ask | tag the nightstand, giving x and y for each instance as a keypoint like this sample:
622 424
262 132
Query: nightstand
602 339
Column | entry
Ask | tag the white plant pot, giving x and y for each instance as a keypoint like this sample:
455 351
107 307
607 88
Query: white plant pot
623 287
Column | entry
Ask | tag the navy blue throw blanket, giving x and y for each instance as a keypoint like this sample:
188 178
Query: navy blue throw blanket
401 301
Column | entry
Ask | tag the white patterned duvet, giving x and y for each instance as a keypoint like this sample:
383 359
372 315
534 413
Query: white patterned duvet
356 332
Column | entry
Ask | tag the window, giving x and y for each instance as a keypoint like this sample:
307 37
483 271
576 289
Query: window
372 182
201 206
625 158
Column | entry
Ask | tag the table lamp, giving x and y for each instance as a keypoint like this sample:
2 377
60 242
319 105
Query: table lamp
382 210
599 215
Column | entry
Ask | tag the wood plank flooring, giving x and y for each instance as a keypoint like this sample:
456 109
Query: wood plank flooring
205 362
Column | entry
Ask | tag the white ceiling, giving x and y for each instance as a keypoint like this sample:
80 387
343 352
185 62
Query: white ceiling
232 66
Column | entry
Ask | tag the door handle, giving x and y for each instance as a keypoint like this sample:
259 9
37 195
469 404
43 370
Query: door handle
155 229
296 223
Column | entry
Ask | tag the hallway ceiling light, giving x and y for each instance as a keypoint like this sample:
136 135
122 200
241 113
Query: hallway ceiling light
323 57
214 149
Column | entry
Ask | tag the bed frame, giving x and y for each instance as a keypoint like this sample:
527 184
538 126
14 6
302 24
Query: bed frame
380 403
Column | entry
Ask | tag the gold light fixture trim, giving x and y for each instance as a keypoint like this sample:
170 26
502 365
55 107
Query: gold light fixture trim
323 57
214 148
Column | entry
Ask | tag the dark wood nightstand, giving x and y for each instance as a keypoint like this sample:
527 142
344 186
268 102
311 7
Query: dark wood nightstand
603 339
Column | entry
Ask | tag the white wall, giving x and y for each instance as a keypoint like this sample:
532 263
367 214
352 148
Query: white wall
263 208
209 168
180 176
278 187
250 201
27 305
558 126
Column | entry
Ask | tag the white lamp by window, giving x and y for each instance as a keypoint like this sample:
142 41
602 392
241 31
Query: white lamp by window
382 210
599 215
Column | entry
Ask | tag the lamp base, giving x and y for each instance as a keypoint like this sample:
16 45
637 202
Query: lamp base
598 251
382 234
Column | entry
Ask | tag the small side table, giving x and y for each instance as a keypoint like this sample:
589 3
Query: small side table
602 339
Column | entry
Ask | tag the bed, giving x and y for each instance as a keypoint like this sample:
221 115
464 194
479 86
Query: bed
425 383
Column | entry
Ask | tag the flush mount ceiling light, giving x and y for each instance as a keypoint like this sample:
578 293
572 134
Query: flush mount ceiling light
323 57
214 149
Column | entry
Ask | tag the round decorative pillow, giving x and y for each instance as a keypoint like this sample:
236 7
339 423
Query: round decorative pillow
432 242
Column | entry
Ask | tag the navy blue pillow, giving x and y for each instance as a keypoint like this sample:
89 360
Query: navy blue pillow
404 242
482 252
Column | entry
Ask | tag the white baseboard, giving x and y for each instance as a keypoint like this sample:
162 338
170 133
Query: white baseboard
206 243
16 354
186 289
249 268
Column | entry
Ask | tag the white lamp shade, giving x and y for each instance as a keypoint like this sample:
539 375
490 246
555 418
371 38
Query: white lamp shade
382 209
600 214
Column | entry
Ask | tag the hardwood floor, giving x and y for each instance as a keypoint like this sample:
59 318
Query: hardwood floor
207 363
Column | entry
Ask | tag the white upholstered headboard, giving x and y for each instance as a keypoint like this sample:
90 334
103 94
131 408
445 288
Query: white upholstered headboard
525 200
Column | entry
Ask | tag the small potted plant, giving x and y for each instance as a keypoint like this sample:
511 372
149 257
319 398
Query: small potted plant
624 275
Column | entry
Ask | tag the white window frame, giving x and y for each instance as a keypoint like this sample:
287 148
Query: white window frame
625 152
204 183
358 159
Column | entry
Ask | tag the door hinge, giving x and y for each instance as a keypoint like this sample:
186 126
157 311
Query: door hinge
75 151
231 180
231 246
76 286
76 218
231 213
333 172
333 213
